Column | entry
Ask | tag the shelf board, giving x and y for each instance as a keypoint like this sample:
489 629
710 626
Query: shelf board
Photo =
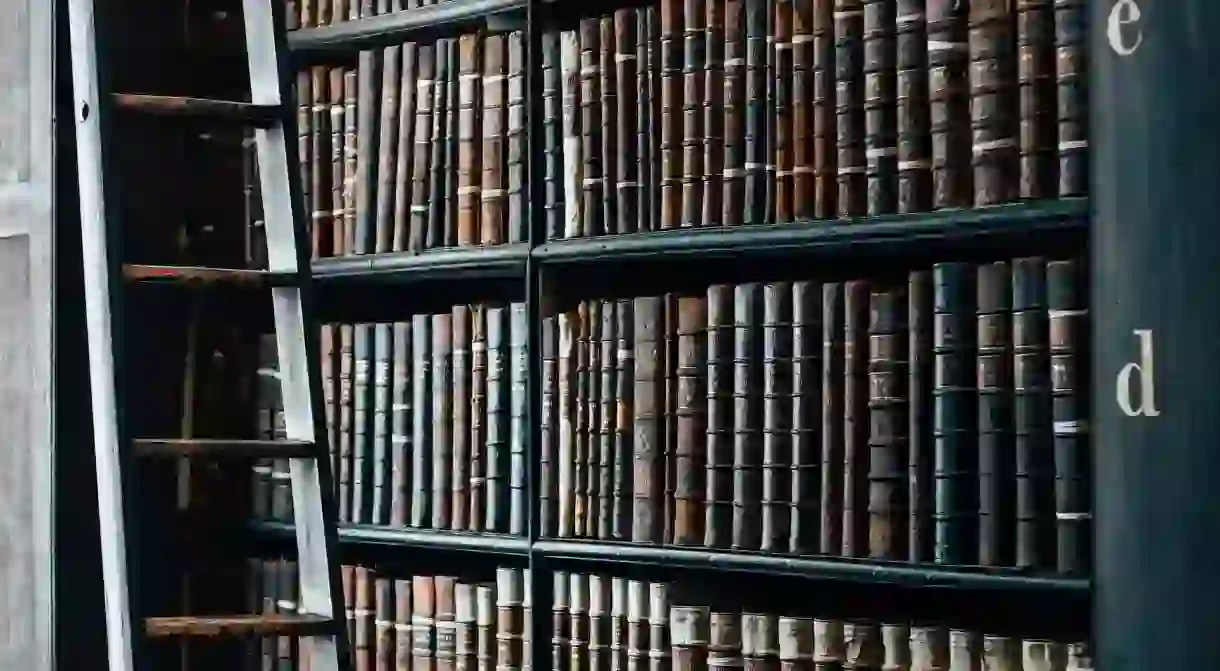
360 539
495 262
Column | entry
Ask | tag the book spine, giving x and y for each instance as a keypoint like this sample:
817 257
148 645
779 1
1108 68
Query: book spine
1071 70
671 138
914 139
580 471
638 632
624 383
593 411
658 630
578 622
608 425
806 385
1080 657
465 627
446 639
796 644
856 453
265 387
1042 656
459 407
387 150
421 154
864 646
781 135
618 624
328 339
362 424
435 232
303 93
656 69
669 452
368 116
777 412
712 111
955 412
350 157
920 431
497 439
760 642
948 96
518 226
493 155
849 107
694 58
689 452
831 537
548 485
1034 448
423 623
573 168
747 406
965 651
803 183
599 622
366 632
345 422
421 420
1036 98
319 191
997 483
689 634
888 423
733 180
552 135
509 618
479 424
402 478
607 80
383 346
593 184
518 467
829 652
1001 654
1067 298
560 623
756 113
994 102
825 121
718 497
442 420
769 118
648 477
626 77
929 649
486 641
453 144
724 641
383 604
644 101
405 149
402 624
567 423
880 105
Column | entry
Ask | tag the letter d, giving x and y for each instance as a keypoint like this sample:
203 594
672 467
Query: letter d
1147 406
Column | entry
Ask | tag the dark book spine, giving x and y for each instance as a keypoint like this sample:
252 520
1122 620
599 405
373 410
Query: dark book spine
303 93
769 129
712 111
446 641
421 421
806 476
350 158
607 80
643 122
518 227
920 432
718 498
267 502
670 116
492 157
580 471
864 646
319 164
618 624
997 483
362 424
383 346
781 135
1036 100
593 184
460 398
656 72
453 144
914 139
478 407
694 58
689 634
888 423
949 99
1033 449
560 623
955 412
496 440
856 453
518 467
658 628
626 73
1071 69
552 134
607 426
383 622
368 108
567 422
825 122
548 490
403 184
831 541
402 624
648 397
593 412
880 104
510 618
573 167
346 361
637 626
849 107
689 453
1067 298
747 411
421 152
599 622
994 102
734 176
485 626
465 627
387 150
578 622
803 184
624 417
329 342
756 113
435 232
442 420
777 391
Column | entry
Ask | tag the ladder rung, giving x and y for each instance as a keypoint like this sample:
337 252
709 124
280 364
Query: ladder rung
224 448
261 116
196 275
283 624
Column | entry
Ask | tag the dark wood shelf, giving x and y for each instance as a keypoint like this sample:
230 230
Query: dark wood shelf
502 262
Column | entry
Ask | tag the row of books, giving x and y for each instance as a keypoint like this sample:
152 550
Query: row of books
940 415
602 622
697 113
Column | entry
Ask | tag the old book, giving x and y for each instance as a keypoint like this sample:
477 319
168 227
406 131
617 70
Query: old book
1034 456
929 649
914 139
366 631
849 107
599 622
593 413
319 183
1036 78
994 101
593 184
1071 70
949 99
638 633
351 154
965 650
734 102
442 420
644 139
689 452
509 618
806 385
718 496
997 483
777 415
344 412
552 135
863 646
303 94
831 537
712 111
756 114
648 397
689 632
404 152
362 423
328 338
446 641
560 622
607 82
655 70
669 120
626 82
498 436
669 456
658 627
955 413
578 622
1067 300
580 470
888 423
825 122
518 224
759 641
618 624
567 323
368 116
435 235
781 132
769 129
478 468
724 640
747 411
453 143
468 166
460 399
485 627
465 626
421 152
856 452
1080 657
694 56
1042 656
518 395
803 183
402 624
382 449
880 104
607 425
527 621
383 623
387 150
401 475
421 421
624 383
796 644
547 489
570 102
495 138
1001 654
921 455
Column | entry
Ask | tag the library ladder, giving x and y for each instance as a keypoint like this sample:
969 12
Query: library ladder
319 625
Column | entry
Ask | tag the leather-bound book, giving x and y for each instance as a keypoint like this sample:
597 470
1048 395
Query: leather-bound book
929 649
803 184
561 623
442 420
335 101
747 419
319 189
517 225
303 93
547 489
1080 657
913 118
1071 70
648 396
777 415
864 646
618 624
624 417
328 341
446 640
459 477
713 111
1067 298
348 576
421 152
1037 81
724 641
593 408
387 149
965 650
599 622
453 144
573 165
626 82
421 421
718 497
362 423
769 126
368 117
527 621
552 135
485 627
1001 654
994 101
645 100
657 68
495 439
689 633
383 345
578 618
806 385
880 104
580 471
949 99
856 452
760 641
734 102
607 343
781 125
518 467
694 57
405 149
401 476
1033 442
383 605
509 618
493 125
658 627
997 484
350 154
831 537
478 467
669 459
402 624
954 412
888 423
567 323
593 183
607 82
366 632
669 68
689 453
638 632
796 644
825 122
1042 656
435 232
465 626
895 642
344 471
849 107
921 455
754 106
423 623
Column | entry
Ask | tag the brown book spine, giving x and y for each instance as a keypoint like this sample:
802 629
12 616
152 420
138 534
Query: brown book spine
446 640
607 80
756 113
486 642
460 400
265 388
453 144
469 165
782 135
366 632
1037 81
442 419
329 341
689 633
829 652
637 626
518 467
777 413
402 624
607 424
421 152
405 147
437 196
422 420
656 69
1071 68
831 538
578 618
624 419
527 621
494 137
1034 449
921 455
593 183
691 420
949 98
593 407
423 623
573 167
599 623
346 363
747 427
806 385
644 139
997 479
856 455
658 627
724 641
319 163
552 134
303 93
913 115
580 470
770 113
880 105
759 642
669 453
734 101
718 497
518 227
864 646
548 491
387 150
509 618
825 120
384 608
929 649
648 476
849 107
888 423
568 322
694 56
796 645
347 161
560 623
803 184
626 72
348 576
994 102
477 431
465 627
671 138
712 111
